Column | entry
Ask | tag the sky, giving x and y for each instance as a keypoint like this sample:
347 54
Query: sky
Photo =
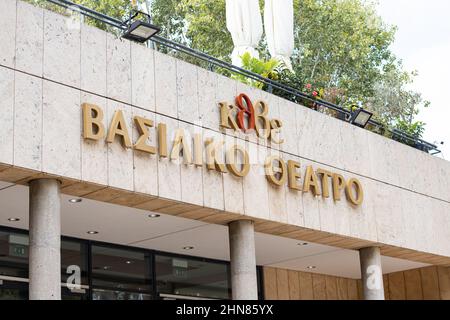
423 43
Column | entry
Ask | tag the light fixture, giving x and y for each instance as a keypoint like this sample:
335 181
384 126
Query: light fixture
92 232
107 268
188 248
75 200
302 243
138 30
311 267
13 219
128 262
154 215
361 117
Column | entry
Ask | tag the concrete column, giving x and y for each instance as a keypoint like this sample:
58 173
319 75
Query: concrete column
45 240
372 274
244 284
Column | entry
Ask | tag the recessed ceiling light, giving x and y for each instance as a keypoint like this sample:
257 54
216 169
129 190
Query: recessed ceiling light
106 268
154 215
13 219
75 200
311 267
128 262
188 248
302 243
92 232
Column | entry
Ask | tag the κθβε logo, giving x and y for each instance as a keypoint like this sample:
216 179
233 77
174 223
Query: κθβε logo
248 117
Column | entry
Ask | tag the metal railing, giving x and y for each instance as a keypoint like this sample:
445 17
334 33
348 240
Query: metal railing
342 113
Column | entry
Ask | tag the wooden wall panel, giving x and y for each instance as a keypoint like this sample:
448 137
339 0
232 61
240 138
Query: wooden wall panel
430 283
360 289
413 285
342 288
397 286
426 283
352 289
331 288
444 282
294 285
386 286
282 284
319 287
270 283
306 286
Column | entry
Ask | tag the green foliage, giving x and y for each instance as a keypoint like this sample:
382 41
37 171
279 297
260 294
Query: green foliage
341 46
266 69
415 129
200 24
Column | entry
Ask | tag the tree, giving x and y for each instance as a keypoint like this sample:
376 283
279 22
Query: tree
341 47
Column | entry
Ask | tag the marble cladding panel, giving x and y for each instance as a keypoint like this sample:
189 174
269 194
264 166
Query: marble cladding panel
191 175
354 153
319 137
289 132
187 92
362 219
29 38
94 154
213 181
332 215
61 152
118 69
143 77
62 49
8 32
294 198
226 91
166 85
387 205
6 115
93 60
28 122
145 164
256 195
273 103
311 212
169 172
383 159
120 158
233 189
277 194
207 103
427 173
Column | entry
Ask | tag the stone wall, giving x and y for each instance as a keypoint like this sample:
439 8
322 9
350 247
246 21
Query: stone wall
50 65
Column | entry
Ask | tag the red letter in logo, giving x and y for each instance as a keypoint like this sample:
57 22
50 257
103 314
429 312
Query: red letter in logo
245 107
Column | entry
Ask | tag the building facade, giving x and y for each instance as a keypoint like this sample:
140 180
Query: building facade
166 180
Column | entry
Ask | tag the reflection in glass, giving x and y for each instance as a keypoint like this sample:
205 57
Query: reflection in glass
13 254
122 270
190 277
99 294
10 290
74 263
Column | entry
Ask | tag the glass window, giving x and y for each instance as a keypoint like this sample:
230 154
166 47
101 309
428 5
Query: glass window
13 254
67 294
192 277
116 269
74 269
11 290
74 265
101 294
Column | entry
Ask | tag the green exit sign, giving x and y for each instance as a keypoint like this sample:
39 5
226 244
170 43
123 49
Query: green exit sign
17 250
